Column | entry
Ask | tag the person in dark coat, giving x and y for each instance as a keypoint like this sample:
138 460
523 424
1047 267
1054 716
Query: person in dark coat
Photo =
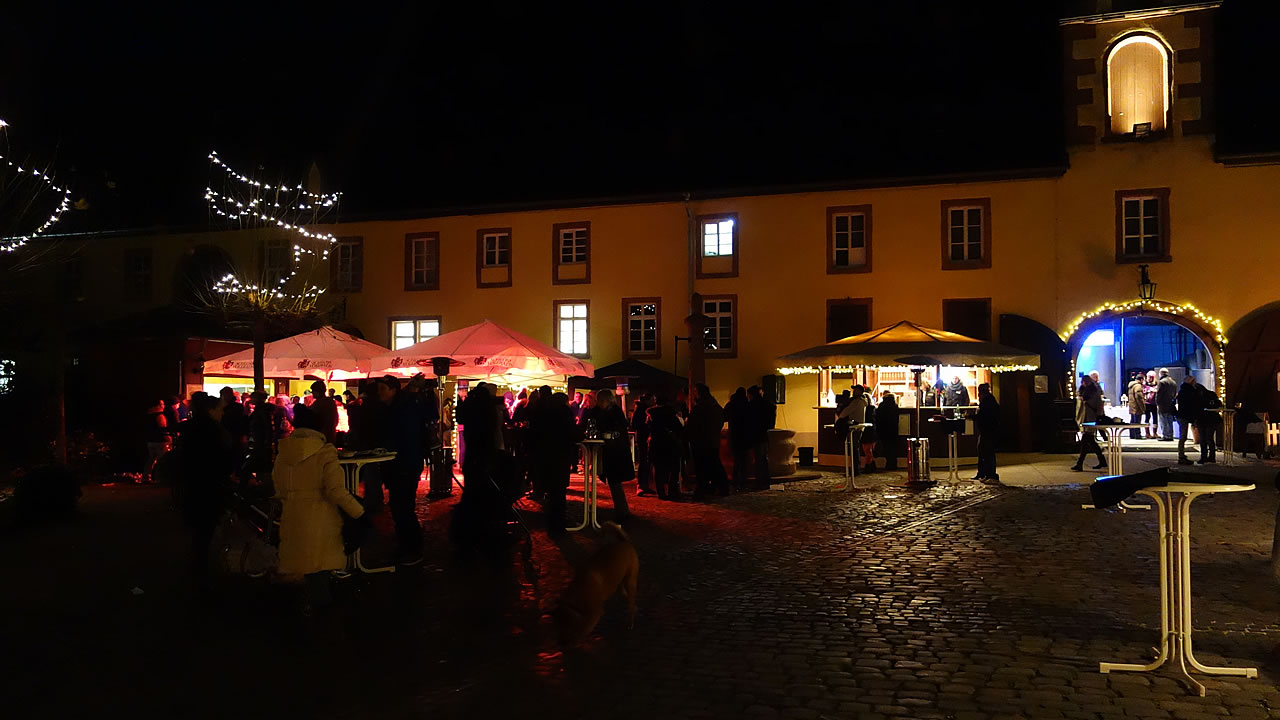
1210 425
556 433
1189 411
205 462
402 434
1166 398
987 423
738 416
956 394
236 422
640 426
266 428
761 416
325 410
611 424
887 430
1088 410
666 443
706 420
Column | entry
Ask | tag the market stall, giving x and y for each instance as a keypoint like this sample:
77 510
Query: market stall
933 374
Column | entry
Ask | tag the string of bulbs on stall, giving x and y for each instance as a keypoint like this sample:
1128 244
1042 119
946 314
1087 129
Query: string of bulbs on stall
13 242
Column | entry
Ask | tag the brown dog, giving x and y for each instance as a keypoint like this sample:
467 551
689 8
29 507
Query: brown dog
615 567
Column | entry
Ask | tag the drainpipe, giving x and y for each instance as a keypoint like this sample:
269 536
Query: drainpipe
691 239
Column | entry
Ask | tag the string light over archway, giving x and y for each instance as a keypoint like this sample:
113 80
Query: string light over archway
1212 325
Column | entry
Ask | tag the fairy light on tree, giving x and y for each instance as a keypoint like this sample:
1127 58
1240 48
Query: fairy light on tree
279 285
31 200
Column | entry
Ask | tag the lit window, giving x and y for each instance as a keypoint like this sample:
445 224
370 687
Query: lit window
1137 85
717 238
573 245
349 271
571 330
1100 338
719 334
642 327
497 249
411 331
422 261
965 226
849 239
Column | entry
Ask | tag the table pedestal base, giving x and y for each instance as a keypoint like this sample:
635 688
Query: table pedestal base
592 449
1175 596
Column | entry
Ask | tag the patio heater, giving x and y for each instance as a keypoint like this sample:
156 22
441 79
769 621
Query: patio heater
440 457
918 446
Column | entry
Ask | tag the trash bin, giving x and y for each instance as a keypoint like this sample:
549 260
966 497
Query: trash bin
806 457
918 460
441 483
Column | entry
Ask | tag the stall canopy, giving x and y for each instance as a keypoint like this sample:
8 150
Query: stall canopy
907 344
484 351
638 375
325 354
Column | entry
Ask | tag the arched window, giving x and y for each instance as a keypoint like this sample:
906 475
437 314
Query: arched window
1137 84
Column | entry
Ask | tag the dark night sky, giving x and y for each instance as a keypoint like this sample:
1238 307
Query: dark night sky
427 106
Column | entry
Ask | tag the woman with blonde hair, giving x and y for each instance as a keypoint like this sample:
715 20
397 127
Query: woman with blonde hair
310 482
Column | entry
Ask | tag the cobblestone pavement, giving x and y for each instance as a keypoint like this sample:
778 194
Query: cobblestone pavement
965 601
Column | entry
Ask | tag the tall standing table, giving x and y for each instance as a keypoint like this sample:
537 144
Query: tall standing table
1115 452
351 474
1174 504
592 450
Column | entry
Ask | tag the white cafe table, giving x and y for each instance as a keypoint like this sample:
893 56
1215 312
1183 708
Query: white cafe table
592 450
351 467
849 450
1115 452
1174 505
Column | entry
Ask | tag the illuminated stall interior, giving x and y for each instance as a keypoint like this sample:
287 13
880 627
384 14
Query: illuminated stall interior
897 380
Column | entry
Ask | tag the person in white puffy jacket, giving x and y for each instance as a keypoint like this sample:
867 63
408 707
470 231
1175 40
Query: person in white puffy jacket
310 483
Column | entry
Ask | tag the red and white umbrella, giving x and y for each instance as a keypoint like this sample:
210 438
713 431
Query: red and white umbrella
326 354
486 350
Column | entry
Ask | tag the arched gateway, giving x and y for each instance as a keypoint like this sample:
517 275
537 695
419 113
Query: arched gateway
1119 338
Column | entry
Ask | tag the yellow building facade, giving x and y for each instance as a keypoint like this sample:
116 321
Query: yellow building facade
1048 247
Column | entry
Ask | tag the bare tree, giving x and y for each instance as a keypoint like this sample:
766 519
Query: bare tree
31 203
276 279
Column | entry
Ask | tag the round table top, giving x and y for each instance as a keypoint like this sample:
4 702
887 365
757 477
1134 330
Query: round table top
1195 487
366 459
1118 426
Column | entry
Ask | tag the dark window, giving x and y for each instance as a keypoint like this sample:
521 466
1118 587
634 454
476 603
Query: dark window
422 261
278 263
849 239
137 272
348 268
72 280
720 334
971 317
573 246
1142 225
966 234
848 317
641 318
497 249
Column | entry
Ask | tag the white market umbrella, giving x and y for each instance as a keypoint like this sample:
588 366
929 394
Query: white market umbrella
326 354
484 351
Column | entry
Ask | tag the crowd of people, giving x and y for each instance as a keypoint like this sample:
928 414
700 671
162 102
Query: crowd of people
1157 404
508 445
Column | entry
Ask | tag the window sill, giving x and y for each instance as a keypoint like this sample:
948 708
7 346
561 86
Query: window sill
848 269
984 264
1136 259
717 354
